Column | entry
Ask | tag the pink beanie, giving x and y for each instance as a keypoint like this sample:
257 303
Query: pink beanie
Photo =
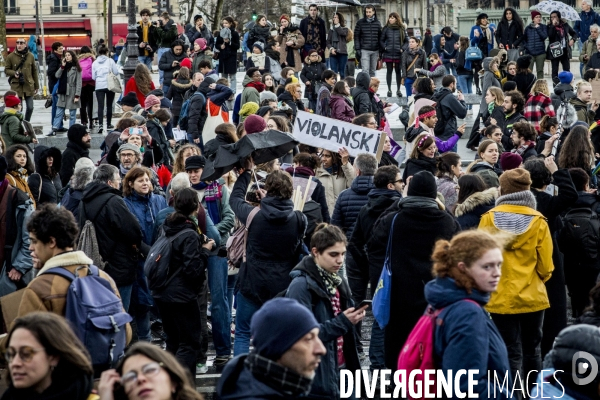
201 42
150 101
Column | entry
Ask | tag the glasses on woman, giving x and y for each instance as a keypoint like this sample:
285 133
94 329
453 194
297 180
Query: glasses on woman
25 353
148 370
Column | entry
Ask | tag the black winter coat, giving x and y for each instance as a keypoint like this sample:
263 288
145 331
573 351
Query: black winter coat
45 188
117 230
266 270
415 232
157 132
469 212
312 72
393 42
367 34
72 153
228 56
507 34
309 289
151 39
295 105
555 36
176 93
350 202
362 96
71 201
196 112
422 163
53 62
188 263
165 64
204 33
259 34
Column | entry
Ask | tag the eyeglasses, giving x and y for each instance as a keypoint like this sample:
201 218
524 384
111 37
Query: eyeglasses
148 370
20 42
399 180
25 353
127 155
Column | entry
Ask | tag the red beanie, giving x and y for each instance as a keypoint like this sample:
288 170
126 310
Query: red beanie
510 161
254 123
534 14
186 62
11 101
284 16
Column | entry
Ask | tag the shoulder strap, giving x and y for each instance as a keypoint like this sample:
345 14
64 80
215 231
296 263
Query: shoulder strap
413 63
60 271
388 255
248 222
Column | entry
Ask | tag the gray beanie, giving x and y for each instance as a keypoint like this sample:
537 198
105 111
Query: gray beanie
129 146
266 94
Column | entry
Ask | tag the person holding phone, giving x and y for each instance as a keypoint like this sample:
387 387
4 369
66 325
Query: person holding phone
317 285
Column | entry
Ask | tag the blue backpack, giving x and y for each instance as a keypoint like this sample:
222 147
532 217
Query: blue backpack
183 113
96 315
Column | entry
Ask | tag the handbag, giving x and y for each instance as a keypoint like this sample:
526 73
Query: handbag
556 49
473 53
383 291
114 83
379 64
48 103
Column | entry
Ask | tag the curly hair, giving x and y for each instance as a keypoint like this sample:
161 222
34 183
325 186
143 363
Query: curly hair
49 220
279 184
291 88
179 164
577 150
307 160
12 164
143 79
525 130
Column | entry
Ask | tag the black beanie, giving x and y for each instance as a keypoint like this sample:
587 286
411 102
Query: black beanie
422 184
3 168
76 133
130 99
523 62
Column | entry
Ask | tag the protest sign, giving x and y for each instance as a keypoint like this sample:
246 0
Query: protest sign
331 134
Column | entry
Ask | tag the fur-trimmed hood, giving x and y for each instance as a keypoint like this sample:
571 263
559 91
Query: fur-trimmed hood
476 199
86 55
179 84
307 60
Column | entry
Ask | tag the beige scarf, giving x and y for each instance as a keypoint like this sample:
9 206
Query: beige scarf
487 32
259 60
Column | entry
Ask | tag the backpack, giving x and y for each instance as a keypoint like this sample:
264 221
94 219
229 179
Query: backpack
96 315
88 240
236 244
185 109
442 121
581 233
418 350
158 262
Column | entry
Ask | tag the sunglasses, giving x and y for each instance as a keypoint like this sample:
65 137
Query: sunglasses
148 370
25 353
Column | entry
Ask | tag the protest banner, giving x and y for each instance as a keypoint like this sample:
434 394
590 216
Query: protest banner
331 134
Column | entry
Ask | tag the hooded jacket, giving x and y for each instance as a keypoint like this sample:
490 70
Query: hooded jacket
394 40
266 270
249 93
74 151
562 92
349 203
11 127
100 69
86 61
45 188
448 47
528 263
176 93
489 80
308 288
313 73
334 183
361 95
165 63
452 108
367 33
164 35
196 112
465 335
469 212
117 230
583 112
341 108
287 98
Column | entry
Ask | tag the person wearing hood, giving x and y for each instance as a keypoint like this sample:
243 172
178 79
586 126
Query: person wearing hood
467 270
367 44
582 101
317 285
413 59
340 104
82 175
266 271
394 41
146 33
22 72
312 28
78 146
11 125
164 35
517 307
228 49
169 63
524 78
312 77
564 91
411 226
69 90
451 107
45 183
362 95
533 39
252 87
490 74
200 31
178 87
291 41
450 45
100 69
560 33
258 58
287 352
88 86
474 200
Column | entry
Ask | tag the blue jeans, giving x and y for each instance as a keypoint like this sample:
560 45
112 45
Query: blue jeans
60 112
376 347
146 60
465 84
231 280
142 322
165 88
450 69
220 311
244 312
125 292
159 53
54 105
338 64
408 82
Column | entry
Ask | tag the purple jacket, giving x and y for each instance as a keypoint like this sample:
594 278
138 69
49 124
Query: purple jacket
444 146
341 108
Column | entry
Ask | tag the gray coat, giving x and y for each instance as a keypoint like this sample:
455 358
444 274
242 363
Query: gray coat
488 80
67 101
336 38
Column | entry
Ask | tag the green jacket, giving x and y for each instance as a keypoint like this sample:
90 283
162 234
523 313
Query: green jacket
12 129
165 35
29 70
249 93
589 47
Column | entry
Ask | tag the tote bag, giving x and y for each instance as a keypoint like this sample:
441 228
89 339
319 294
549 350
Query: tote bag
383 292
216 116
114 84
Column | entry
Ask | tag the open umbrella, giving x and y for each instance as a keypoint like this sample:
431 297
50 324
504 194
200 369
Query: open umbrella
250 25
566 11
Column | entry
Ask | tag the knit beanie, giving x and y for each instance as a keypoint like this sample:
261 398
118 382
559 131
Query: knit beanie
186 62
264 110
201 42
515 180
76 132
422 184
130 99
3 168
267 95
260 46
254 124
278 325
129 146
565 77
510 161
150 101
535 13
11 101
82 163
248 109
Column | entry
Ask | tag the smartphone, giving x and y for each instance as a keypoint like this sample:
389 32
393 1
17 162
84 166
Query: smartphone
135 131
364 304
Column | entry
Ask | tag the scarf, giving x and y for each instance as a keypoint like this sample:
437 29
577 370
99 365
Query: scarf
62 83
259 60
524 147
418 202
491 107
277 377
524 198
414 51
487 32
300 171
434 67
212 196
274 54
123 170
257 85
331 281
312 35
24 52
371 19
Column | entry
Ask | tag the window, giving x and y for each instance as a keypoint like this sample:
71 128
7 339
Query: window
61 7
10 7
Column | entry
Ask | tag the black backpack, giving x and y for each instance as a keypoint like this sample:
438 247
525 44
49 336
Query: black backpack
157 267
442 121
581 233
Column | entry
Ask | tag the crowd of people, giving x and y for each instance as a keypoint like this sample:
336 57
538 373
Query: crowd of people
499 249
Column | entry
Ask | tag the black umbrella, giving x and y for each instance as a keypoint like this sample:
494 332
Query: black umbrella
249 25
348 2
262 147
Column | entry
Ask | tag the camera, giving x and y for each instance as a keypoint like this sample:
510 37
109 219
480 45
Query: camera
205 239
155 23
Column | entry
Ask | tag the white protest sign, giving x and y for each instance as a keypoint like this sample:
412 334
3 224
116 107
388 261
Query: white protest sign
331 134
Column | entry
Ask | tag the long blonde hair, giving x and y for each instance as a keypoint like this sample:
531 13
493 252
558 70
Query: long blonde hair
498 94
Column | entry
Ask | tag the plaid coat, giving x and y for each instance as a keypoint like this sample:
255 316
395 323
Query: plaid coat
536 107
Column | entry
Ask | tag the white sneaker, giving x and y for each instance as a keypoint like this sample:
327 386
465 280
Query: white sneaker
201 368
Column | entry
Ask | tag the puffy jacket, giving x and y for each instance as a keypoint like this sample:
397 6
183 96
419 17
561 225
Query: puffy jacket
527 265
334 184
193 33
534 39
361 95
452 109
85 62
43 187
190 257
349 203
367 33
165 64
465 335
267 268
176 93
313 73
145 209
469 212
341 108
100 69
393 42
507 34
164 35
308 288
11 126
582 28
151 39
562 92
117 230
196 112
259 34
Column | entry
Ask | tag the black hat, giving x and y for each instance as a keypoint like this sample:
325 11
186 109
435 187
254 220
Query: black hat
197 17
76 132
157 93
195 162
130 99
263 111
482 16
422 184
3 168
